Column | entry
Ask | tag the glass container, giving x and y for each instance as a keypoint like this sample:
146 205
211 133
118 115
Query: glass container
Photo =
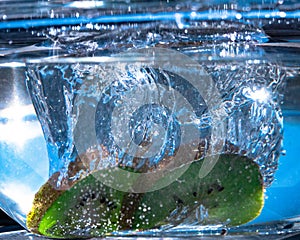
150 118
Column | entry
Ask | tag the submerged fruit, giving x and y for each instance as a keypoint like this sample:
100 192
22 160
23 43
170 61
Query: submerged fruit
231 194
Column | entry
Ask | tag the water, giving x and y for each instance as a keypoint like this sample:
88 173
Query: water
148 88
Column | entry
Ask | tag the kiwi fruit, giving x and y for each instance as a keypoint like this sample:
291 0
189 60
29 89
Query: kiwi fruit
231 194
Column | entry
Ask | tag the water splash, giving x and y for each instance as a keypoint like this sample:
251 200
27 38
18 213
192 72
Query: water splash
249 83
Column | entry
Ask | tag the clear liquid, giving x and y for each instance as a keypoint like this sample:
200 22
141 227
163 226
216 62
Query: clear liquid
256 80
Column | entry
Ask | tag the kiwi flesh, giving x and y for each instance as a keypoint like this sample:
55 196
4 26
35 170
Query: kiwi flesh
231 194
89 208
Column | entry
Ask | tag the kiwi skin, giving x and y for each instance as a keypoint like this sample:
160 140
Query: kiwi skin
43 199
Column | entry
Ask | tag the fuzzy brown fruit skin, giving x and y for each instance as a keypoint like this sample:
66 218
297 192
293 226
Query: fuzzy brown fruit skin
50 191
43 199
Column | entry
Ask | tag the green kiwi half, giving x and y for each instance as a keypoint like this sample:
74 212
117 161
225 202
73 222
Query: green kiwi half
231 194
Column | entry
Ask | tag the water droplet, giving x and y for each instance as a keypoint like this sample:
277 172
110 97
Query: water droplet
280 2
238 16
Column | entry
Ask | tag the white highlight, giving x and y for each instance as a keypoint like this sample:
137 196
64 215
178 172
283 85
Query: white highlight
86 4
19 192
14 129
260 95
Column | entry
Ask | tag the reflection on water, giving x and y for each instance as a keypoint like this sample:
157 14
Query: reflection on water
18 125
24 164
283 197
